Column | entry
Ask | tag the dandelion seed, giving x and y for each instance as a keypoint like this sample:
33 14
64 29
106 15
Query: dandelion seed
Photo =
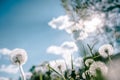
18 56
106 50
88 62
98 66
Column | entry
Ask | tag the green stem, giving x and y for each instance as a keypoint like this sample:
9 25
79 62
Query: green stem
72 62
57 72
96 56
90 49
41 77
110 60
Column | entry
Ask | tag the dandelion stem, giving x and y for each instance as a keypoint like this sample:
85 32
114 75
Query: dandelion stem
22 72
56 72
72 62
110 60
41 77
90 49
96 56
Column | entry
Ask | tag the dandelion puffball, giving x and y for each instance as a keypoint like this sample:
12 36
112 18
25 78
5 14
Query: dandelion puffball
86 73
88 62
18 56
106 50
59 65
98 66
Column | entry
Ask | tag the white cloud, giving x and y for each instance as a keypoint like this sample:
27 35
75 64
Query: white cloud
12 69
4 78
92 24
79 35
65 50
88 25
54 49
62 23
5 51
78 62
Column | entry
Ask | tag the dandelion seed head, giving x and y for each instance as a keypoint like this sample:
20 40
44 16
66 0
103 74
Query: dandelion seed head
58 65
42 68
88 62
106 50
18 56
98 66
85 73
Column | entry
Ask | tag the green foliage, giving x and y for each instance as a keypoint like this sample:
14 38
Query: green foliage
70 74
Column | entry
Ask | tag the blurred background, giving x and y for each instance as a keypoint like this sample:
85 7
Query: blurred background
24 24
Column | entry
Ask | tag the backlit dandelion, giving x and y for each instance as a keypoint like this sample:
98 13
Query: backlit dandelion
19 57
86 73
88 62
58 65
106 50
98 66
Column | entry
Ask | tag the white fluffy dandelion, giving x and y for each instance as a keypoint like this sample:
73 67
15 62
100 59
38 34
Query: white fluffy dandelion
42 68
106 50
58 65
98 66
85 73
88 62
19 57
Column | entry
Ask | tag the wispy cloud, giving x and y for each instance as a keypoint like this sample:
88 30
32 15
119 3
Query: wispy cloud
5 51
12 69
4 78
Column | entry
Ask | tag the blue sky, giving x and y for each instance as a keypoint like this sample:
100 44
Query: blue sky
24 24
